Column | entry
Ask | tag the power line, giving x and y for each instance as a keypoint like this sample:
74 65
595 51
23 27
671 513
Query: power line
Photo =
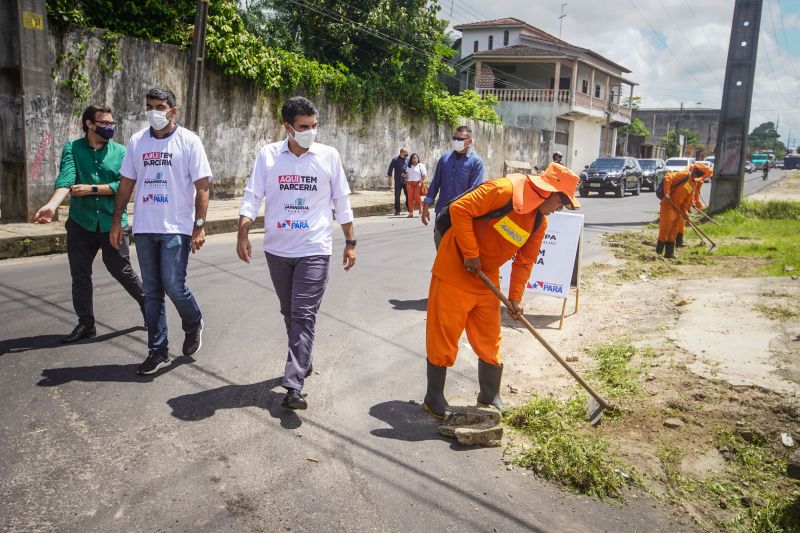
663 42
777 39
685 37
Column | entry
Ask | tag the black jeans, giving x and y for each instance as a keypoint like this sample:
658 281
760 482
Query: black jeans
399 185
82 246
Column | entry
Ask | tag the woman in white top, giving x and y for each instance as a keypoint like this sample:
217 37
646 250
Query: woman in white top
416 177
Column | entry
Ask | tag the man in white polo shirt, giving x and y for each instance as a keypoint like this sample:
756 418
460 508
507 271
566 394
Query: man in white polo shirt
300 179
168 166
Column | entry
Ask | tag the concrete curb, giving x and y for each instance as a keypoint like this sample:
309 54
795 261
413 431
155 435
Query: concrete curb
56 242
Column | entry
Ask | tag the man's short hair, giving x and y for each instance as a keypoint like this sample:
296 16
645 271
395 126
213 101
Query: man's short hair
90 113
297 105
161 93
465 129
403 150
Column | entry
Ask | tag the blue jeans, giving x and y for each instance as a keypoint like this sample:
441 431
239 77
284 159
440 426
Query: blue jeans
162 261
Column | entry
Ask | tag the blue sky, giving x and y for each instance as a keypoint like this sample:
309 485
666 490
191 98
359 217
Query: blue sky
677 49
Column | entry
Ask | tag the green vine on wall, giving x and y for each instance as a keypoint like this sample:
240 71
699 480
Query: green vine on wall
109 59
76 82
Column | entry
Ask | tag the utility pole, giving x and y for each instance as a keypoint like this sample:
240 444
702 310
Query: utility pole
737 94
196 66
561 19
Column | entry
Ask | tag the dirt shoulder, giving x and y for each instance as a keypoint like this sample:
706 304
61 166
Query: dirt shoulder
718 371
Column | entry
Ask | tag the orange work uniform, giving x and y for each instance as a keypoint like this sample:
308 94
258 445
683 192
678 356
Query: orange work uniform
697 202
458 299
670 220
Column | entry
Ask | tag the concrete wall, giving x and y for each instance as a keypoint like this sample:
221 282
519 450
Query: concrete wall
236 118
468 38
659 121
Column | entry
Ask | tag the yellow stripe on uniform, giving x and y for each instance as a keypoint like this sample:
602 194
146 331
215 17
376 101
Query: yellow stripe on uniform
511 232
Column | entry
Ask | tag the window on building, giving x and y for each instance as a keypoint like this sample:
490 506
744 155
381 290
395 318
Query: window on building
505 38
585 86
475 46
597 90
491 42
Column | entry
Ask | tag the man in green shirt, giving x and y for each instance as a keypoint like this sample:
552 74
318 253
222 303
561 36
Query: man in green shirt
89 172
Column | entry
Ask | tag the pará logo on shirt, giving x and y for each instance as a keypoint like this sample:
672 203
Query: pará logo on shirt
155 199
293 225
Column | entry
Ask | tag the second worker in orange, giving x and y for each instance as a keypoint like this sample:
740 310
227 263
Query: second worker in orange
498 220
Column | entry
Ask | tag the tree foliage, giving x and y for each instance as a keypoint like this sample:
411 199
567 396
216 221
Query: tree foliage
766 137
357 52
691 138
636 127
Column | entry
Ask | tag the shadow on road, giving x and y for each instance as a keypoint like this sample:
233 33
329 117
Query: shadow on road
410 305
204 404
53 377
37 342
409 423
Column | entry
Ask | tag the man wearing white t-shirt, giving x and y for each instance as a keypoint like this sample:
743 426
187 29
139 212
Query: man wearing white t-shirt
300 180
168 166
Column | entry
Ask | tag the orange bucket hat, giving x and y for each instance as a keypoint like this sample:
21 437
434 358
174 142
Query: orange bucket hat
556 178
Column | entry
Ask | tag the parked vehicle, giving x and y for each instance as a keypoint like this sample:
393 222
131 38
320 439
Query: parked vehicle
611 174
791 161
676 164
779 163
709 161
749 167
653 171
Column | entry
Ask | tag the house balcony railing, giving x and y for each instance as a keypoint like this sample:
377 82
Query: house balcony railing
564 96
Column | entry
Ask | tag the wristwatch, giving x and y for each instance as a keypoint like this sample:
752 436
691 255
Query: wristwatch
350 243
94 189
199 223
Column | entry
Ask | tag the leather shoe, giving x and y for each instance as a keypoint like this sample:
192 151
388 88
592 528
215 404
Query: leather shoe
80 332
294 400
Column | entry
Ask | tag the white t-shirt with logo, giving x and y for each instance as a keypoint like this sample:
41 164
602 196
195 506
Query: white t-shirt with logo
299 191
165 171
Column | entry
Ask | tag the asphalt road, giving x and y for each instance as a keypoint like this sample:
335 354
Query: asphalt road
87 445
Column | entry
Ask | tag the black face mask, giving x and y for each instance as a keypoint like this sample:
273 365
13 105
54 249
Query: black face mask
105 132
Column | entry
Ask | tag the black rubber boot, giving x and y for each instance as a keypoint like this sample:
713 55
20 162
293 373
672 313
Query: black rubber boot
670 253
679 241
660 247
489 377
435 402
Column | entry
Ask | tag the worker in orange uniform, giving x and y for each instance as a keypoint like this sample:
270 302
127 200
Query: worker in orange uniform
494 222
679 193
697 202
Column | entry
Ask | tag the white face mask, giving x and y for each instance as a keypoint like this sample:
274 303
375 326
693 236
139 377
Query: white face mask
458 146
304 138
157 119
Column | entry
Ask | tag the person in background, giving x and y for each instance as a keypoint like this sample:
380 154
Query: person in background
89 173
416 177
674 208
457 171
399 167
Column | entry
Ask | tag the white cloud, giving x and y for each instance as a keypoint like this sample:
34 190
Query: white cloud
690 69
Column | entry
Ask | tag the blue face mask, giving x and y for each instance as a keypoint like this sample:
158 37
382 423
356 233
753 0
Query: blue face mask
105 132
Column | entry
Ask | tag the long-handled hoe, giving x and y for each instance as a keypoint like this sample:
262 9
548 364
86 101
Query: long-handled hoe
596 403
700 233
706 216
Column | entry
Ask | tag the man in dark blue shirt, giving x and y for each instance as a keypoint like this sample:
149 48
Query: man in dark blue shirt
399 165
456 172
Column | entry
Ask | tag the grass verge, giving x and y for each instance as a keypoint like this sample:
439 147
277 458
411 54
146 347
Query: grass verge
563 450
766 230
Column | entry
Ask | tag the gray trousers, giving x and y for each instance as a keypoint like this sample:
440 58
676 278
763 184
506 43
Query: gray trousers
300 284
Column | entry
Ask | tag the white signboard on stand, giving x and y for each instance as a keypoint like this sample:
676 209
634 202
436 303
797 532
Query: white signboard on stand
558 258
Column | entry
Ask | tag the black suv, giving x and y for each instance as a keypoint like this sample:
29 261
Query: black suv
611 174
653 171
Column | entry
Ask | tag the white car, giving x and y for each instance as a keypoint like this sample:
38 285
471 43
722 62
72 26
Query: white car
709 161
676 164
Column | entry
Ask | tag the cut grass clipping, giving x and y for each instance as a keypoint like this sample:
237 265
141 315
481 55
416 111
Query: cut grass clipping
562 447
767 230
561 450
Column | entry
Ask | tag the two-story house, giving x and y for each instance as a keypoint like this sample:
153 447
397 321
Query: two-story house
519 63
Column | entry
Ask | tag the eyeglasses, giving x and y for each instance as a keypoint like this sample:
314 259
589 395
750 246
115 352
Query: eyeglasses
104 123
461 138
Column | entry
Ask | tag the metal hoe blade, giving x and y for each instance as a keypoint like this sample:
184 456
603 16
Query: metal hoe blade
594 411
